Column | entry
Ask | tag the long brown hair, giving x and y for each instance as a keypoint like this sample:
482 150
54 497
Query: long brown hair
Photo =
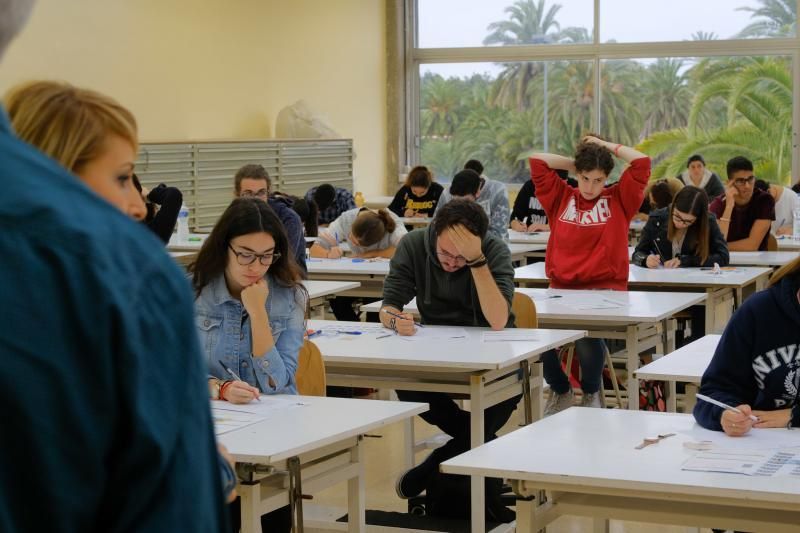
242 217
419 176
693 201
370 226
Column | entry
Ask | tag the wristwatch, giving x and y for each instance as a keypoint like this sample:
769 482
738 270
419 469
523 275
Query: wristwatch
215 386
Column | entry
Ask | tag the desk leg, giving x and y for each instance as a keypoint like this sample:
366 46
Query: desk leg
477 489
669 337
249 503
691 396
672 397
296 494
711 304
632 347
526 392
409 443
600 525
537 400
356 501
526 509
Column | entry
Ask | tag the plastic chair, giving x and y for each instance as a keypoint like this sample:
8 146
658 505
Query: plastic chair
524 311
310 374
772 243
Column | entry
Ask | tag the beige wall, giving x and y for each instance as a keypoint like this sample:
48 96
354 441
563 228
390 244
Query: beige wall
201 69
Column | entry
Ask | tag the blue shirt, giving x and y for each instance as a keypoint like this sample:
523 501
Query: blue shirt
343 201
225 334
106 414
295 232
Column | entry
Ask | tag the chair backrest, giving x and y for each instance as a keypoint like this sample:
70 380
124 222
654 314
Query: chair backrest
524 311
310 375
772 243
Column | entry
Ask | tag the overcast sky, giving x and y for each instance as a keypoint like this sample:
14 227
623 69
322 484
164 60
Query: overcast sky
449 23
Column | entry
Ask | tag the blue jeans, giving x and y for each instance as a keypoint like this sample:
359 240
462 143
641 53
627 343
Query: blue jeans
591 355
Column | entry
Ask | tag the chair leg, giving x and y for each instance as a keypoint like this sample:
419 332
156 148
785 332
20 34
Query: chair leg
613 374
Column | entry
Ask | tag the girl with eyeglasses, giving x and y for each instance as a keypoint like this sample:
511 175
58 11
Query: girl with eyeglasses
684 234
250 304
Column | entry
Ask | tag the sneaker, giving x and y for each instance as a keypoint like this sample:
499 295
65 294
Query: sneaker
410 483
558 402
593 399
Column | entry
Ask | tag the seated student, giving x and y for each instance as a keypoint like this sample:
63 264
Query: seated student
461 276
528 214
786 201
163 205
588 246
125 312
250 306
468 184
253 181
698 175
418 196
331 202
306 210
369 234
755 366
684 234
491 195
657 195
744 212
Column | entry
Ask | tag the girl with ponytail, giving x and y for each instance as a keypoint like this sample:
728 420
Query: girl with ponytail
370 233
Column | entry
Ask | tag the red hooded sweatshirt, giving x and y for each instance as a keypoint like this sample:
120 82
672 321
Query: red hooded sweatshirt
588 246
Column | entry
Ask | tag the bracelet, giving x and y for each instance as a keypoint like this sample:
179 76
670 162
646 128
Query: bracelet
723 219
393 324
222 388
479 261
616 150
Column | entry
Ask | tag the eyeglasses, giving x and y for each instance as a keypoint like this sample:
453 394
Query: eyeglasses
261 193
247 258
744 181
677 218
457 258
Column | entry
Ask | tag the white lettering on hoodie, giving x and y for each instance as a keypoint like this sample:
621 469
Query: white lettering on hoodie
596 216
785 359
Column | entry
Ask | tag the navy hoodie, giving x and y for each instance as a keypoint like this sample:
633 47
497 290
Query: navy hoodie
757 361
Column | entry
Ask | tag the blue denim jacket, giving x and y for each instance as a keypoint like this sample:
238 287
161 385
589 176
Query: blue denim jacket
225 337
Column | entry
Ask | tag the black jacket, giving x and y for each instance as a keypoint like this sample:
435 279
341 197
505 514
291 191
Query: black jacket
654 242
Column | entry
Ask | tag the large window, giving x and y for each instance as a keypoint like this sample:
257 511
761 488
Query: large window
496 80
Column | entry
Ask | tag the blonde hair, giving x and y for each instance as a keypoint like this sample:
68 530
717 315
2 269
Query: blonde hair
69 124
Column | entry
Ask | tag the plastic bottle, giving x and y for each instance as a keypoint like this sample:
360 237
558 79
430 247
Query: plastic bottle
359 198
183 224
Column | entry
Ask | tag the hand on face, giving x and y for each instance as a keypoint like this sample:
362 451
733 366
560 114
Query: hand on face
254 297
731 192
467 244
735 424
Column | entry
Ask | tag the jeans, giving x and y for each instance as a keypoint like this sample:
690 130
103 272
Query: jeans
591 355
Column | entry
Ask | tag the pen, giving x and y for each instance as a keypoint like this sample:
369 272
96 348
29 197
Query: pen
344 332
233 375
384 336
314 333
195 239
401 317
718 403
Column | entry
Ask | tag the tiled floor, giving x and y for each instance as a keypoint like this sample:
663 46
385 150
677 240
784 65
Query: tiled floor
384 461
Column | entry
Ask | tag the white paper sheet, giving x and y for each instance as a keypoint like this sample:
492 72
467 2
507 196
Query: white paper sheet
229 416
756 439
509 335
436 333
768 463
225 421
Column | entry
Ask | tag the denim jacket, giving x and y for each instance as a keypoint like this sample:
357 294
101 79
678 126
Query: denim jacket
225 337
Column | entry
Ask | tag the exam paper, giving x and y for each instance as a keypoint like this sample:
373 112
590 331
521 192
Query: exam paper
226 421
229 416
437 333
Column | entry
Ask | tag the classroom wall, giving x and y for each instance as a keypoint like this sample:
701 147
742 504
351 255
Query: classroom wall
216 69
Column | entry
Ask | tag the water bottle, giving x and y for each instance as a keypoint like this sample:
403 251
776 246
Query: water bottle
796 224
359 199
183 224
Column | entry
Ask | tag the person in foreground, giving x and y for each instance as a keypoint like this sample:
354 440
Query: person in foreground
104 385
588 246
461 276
250 310
756 367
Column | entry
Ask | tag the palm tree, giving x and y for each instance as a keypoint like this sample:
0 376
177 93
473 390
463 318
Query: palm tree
775 18
440 105
704 36
666 97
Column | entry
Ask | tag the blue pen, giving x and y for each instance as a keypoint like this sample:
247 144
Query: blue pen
348 332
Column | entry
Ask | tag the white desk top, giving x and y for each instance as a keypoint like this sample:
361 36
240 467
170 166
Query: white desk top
768 259
686 364
290 432
377 202
594 449
178 255
788 243
194 243
320 289
447 355
521 237
348 266
416 221
676 277
517 248
636 306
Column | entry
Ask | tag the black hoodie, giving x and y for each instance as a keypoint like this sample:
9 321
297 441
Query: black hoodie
757 361
444 298
654 242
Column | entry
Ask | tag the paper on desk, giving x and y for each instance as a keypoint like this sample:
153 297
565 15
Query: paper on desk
227 420
436 333
361 328
509 335
755 439
585 302
229 416
772 463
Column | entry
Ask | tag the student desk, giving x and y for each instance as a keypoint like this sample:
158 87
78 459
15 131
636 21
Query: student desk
765 259
586 459
642 319
521 237
488 372
369 273
521 252
788 243
378 202
183 258
416 222
687 365
320 292
319 444
722 291
193 244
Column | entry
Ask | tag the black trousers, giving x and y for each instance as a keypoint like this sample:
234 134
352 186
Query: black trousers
277 521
